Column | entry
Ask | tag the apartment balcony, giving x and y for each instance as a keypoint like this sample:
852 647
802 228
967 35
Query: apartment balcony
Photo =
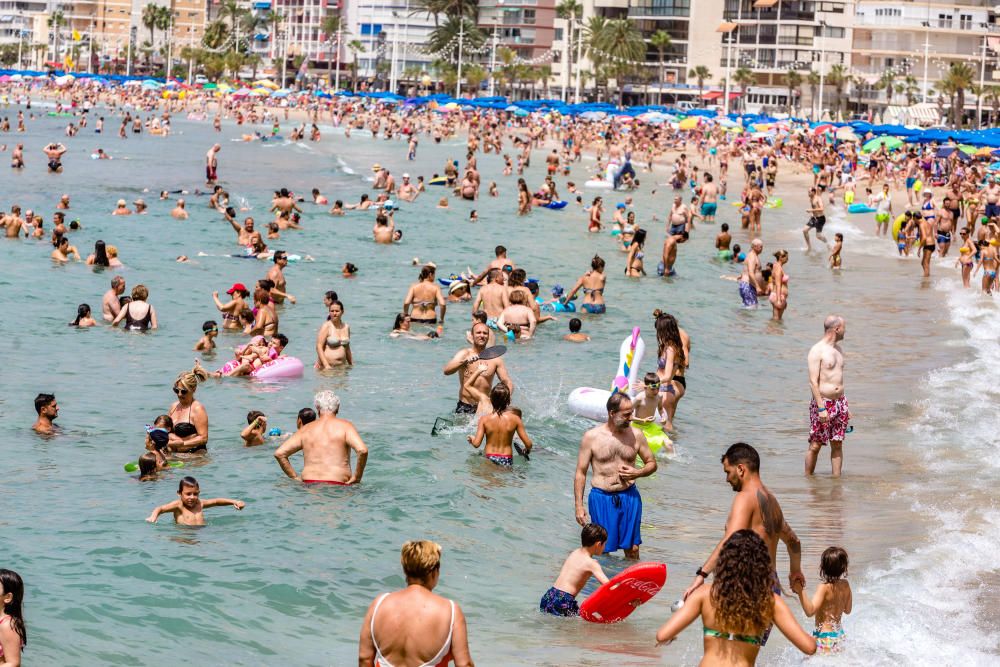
949 24
912 44
659 9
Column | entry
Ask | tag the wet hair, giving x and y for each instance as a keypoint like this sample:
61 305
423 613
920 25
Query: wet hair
597 264
266 283
427 272
833 564
517 297
326 402
517 277
278 256
253 414
147 464
725 227
740 453
480 316
208 325
339 304
350 268
43 400
575 325
306 416
398 323
82 311
533 288
101 254
282 338
187 481
591 534
262 294
500 397
330 295
140 293
650 377
339 203
11 583
639 238
838 236
741 591
420 558
615 401
668 334
499 250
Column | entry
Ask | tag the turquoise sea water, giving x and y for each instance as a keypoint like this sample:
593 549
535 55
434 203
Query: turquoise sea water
287 580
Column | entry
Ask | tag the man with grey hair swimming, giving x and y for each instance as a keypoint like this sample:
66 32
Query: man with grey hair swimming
828 411
326 446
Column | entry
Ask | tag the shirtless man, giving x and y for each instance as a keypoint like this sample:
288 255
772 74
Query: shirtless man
828 411
817 219
407 191
48 410
500 260
669 258
518 315
679 217
751 281
754 508
54 153
614 501
492 296
110 305
945 227
17 157
179 212
276 275
992 194
708 201
13 223
284 203
245 235
498 428
212 164
326 446
465 360
384 228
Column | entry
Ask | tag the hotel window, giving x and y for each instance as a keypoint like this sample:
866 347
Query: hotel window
965 22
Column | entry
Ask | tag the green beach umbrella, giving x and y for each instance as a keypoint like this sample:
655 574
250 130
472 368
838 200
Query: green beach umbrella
891 143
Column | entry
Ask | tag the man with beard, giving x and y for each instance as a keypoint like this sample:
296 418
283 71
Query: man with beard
754 508
614 501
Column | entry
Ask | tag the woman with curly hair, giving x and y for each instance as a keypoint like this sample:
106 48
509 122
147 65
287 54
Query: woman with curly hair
673 347
737 611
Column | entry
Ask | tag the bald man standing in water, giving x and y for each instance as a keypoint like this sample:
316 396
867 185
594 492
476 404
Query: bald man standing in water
829 414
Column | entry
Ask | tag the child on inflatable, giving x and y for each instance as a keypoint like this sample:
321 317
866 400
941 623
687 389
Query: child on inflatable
560 599
644 415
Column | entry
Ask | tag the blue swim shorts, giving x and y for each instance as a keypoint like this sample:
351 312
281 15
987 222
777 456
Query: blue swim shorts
595 308
620 513
748 294
558 603
708 208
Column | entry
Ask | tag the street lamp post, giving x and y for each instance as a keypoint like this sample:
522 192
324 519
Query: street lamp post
822 70
729 56
461 41
336 85
579 57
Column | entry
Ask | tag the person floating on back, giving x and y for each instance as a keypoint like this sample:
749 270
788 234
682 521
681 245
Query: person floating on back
560 600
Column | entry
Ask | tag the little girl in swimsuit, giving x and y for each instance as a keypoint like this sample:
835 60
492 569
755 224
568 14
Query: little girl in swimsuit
830 602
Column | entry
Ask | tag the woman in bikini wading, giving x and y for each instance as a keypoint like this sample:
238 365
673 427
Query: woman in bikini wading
190 418
739 608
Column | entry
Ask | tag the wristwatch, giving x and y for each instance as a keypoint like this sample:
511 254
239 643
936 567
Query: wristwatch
701 573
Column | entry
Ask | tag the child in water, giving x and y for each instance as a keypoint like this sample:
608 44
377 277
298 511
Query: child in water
574 335
13 634
830 602
254 433
838 245
209 330
188 510
498 428
645 417
560 600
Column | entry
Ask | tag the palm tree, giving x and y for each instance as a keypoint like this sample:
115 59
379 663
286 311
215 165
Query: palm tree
474 76
149 15
56 21
333 28
793 80
164 23
544 74
449 8
570 11
910 88
886 83
446 36
958 79
620 44
992 97
273 19
838 78
743 77
232 9
216 34
355 47
813 79
700 74
660 40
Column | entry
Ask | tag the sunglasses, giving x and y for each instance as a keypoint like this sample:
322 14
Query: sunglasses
653 385
180 391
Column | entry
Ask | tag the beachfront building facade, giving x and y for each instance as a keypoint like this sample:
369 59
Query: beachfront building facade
904 52
18 22
387 42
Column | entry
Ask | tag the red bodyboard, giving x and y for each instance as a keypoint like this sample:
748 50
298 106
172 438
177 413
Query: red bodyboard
615 600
